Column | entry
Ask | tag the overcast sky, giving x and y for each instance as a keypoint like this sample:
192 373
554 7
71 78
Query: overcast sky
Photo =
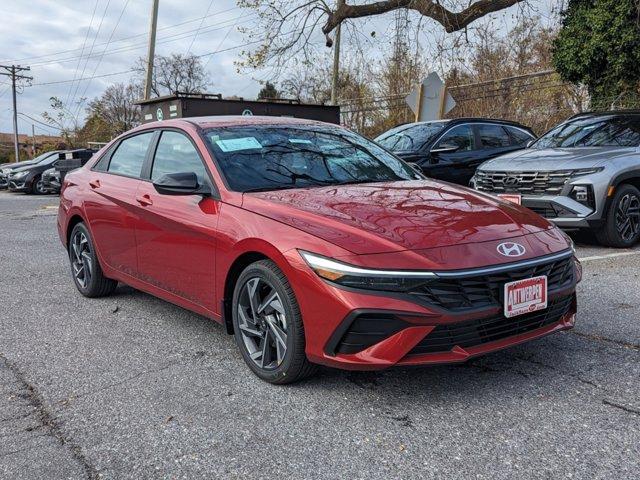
49 36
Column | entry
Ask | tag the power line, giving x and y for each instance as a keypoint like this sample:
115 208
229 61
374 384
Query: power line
122 38
104 13
52 127
84 43
86 87
162 40
58 82
199 27
248 44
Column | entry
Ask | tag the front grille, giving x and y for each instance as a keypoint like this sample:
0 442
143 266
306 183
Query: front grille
477 332
481 291
525 183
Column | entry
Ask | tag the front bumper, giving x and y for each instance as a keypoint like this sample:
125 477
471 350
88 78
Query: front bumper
19 186
353 330
561 210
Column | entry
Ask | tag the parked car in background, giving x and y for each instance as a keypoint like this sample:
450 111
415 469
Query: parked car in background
7 168
582 174
51 180
313 245
28 179
451 150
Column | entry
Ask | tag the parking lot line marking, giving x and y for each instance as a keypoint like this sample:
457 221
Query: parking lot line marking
608 255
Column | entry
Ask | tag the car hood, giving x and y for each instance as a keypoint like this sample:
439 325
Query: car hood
24 168
17 166
550 159
386 217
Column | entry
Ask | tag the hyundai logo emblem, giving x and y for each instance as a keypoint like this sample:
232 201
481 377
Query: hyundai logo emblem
511 249
511 181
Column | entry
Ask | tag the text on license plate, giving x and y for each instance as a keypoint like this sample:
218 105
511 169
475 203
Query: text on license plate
525 296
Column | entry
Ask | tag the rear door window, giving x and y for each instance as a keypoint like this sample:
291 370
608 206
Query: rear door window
129 156
493 136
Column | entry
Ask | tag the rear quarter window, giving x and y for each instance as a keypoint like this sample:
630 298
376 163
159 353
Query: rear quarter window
519 137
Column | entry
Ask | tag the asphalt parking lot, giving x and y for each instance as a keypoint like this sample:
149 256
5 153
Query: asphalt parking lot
133 387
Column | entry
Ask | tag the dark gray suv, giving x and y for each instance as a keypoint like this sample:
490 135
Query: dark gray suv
582 174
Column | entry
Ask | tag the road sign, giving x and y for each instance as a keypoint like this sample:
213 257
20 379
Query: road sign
430 100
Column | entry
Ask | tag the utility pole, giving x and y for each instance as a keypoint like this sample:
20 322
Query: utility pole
336 67
152 49
33 137
12 71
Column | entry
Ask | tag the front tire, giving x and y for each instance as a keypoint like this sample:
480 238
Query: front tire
37 187
85 268
268 326
622 223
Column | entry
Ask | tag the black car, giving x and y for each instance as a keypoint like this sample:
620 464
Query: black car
7 168
451 150
28 178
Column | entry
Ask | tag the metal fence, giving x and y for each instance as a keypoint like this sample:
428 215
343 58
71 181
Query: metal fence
539 100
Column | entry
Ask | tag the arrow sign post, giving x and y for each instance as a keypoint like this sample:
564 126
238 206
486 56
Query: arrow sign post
430 100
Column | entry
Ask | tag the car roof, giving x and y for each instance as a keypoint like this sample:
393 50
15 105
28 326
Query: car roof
605 113
234 120
454 121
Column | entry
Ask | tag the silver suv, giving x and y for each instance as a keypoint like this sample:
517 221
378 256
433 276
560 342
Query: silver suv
582 174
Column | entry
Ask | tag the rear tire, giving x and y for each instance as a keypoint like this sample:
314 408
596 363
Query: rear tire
85 267
268 326
622 222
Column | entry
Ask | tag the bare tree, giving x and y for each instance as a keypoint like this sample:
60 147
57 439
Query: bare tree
175 73
117 107
286 26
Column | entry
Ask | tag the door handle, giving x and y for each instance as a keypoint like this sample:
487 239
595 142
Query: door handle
94 183
144 200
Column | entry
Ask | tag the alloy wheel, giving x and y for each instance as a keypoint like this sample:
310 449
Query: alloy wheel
262 323
40 186
628 217
81 259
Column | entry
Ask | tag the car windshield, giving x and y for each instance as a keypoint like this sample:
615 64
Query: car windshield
274 157
410 137
622 131
43 157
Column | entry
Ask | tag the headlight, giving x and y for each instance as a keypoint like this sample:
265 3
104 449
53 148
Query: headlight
370 279
19 174
586 171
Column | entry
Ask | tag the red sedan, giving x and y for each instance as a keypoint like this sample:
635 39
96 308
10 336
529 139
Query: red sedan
313 245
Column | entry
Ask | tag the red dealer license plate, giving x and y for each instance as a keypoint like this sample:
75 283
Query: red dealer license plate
511 197
525 296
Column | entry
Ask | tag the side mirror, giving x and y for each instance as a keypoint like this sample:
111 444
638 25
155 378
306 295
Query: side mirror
182 183
447 148
530 142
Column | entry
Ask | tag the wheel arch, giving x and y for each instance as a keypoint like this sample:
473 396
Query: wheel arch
233 273
73 221
630 178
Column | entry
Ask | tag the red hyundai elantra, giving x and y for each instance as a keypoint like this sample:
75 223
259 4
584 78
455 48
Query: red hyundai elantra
313 245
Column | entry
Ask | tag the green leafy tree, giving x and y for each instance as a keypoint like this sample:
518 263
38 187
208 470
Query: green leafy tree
599 47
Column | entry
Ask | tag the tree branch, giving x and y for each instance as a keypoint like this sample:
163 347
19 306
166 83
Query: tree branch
451 21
